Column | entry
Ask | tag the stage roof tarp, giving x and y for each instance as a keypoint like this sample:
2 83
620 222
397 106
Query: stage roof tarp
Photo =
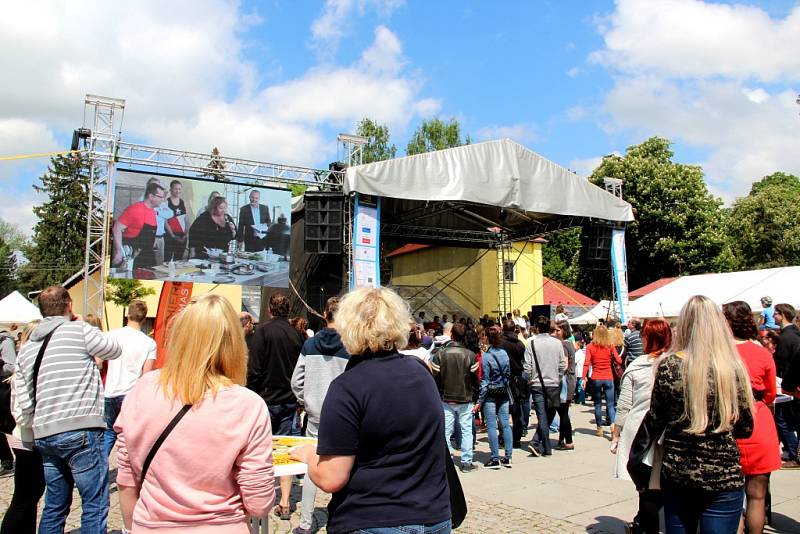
495 183
779 283
17 309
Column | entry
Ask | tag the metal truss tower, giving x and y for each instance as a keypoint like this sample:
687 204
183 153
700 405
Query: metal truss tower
105 115
503 276
352 148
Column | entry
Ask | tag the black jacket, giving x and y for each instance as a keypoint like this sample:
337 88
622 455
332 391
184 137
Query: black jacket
455 369
274 351
515 350
787 357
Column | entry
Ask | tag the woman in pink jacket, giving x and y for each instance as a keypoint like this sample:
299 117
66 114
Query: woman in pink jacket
214 469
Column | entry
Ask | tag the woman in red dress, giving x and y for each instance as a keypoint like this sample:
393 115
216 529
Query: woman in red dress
760 453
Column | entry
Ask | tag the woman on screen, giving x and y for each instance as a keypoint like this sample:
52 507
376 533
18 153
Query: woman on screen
212 229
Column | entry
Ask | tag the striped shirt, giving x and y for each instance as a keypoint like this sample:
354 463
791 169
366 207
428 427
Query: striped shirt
69 394
633 346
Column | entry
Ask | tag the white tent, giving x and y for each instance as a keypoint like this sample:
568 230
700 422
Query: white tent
17 309
600 311
780 283
498 173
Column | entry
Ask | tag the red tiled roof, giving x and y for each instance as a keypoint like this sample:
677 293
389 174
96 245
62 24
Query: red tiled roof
405 249
557 293
652 286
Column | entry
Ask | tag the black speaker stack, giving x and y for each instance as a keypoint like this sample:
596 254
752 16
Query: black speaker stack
324 218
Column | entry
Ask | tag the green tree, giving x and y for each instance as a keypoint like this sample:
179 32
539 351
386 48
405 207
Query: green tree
763 225
11 234
560 256
297 189
8 269
679 226
436 134
123 291
57 247
216 167
377 147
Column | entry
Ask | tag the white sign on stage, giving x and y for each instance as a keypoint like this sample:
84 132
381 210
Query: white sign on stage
366 247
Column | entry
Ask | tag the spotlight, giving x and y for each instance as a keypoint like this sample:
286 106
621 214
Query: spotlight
77 135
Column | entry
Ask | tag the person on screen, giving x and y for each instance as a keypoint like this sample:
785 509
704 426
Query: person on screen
207 207
176 223
249 215
212 229
278 237
136 228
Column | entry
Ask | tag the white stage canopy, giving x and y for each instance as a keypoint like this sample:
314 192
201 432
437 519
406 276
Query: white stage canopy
17 309
498 173
779 283
600 311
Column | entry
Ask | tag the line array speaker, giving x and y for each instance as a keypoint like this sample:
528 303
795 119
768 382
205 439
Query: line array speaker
324 218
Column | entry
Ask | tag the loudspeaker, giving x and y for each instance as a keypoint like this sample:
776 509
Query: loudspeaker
323 222
596 246
548 310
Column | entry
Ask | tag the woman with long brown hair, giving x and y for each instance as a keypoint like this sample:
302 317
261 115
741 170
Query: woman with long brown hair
760 453
701 402
599 355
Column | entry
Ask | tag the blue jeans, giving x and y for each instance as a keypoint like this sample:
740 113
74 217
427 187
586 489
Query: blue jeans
438 528
113 405
462 413
714 512
544 417
74 459
494 409
580 391
603 388
787 419
283 418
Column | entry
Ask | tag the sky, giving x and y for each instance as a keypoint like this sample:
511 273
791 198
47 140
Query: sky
277 80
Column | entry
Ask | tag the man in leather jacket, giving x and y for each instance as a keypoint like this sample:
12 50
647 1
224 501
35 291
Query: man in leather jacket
455 369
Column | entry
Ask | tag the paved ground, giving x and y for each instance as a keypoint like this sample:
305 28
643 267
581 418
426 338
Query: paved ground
569 492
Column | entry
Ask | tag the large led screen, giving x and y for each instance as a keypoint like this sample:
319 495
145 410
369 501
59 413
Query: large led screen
194 230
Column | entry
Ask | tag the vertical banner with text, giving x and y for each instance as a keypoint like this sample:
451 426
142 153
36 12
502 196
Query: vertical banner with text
174 297
365 262
619 266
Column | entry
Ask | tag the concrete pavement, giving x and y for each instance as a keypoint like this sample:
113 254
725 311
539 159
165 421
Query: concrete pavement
568 492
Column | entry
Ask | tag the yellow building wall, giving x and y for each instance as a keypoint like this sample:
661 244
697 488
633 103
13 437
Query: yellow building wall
113 314
476 290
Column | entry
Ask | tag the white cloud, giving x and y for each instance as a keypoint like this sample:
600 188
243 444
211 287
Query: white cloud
335 22
574 72
585 167
519 132
187 83
691 38
576 113
712 76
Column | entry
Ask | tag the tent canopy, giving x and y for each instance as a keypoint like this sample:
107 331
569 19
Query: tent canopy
17 309
779 283
458 194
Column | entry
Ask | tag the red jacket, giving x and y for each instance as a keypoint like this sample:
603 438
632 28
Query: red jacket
599 359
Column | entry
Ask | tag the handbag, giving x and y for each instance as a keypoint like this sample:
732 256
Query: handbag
458 502
501 391
7 422
643 455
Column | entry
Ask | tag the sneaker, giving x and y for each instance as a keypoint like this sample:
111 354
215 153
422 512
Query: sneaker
565 447
534 451
492 464
790 464
467 468
506 462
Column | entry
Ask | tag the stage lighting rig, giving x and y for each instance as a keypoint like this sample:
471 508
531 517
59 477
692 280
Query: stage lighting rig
77 135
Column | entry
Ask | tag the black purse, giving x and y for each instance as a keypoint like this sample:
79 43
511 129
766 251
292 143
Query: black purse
505 390
7 422
642 452
458 502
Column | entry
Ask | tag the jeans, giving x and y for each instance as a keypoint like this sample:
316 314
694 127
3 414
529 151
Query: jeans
20 517
494 410
544 416
74 459
787 419
520 416
603 388
309 489
714 512
580 391
438 528
462 413
113 405
282 419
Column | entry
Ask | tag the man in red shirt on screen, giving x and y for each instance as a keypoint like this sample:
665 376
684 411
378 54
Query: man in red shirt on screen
136 228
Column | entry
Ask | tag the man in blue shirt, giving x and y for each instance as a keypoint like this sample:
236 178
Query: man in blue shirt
767 320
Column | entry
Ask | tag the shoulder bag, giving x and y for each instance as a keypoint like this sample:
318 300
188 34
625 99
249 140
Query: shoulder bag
504 390
643 457
458 503
552 396
157 445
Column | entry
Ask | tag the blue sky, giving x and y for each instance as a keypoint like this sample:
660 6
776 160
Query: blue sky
277 80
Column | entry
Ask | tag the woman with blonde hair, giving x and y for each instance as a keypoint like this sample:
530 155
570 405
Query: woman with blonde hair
599 355
381 449
702 402
214 469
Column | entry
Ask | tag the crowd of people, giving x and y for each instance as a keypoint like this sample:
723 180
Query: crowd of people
193 439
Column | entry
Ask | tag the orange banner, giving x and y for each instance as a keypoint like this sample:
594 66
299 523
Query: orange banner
174 297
